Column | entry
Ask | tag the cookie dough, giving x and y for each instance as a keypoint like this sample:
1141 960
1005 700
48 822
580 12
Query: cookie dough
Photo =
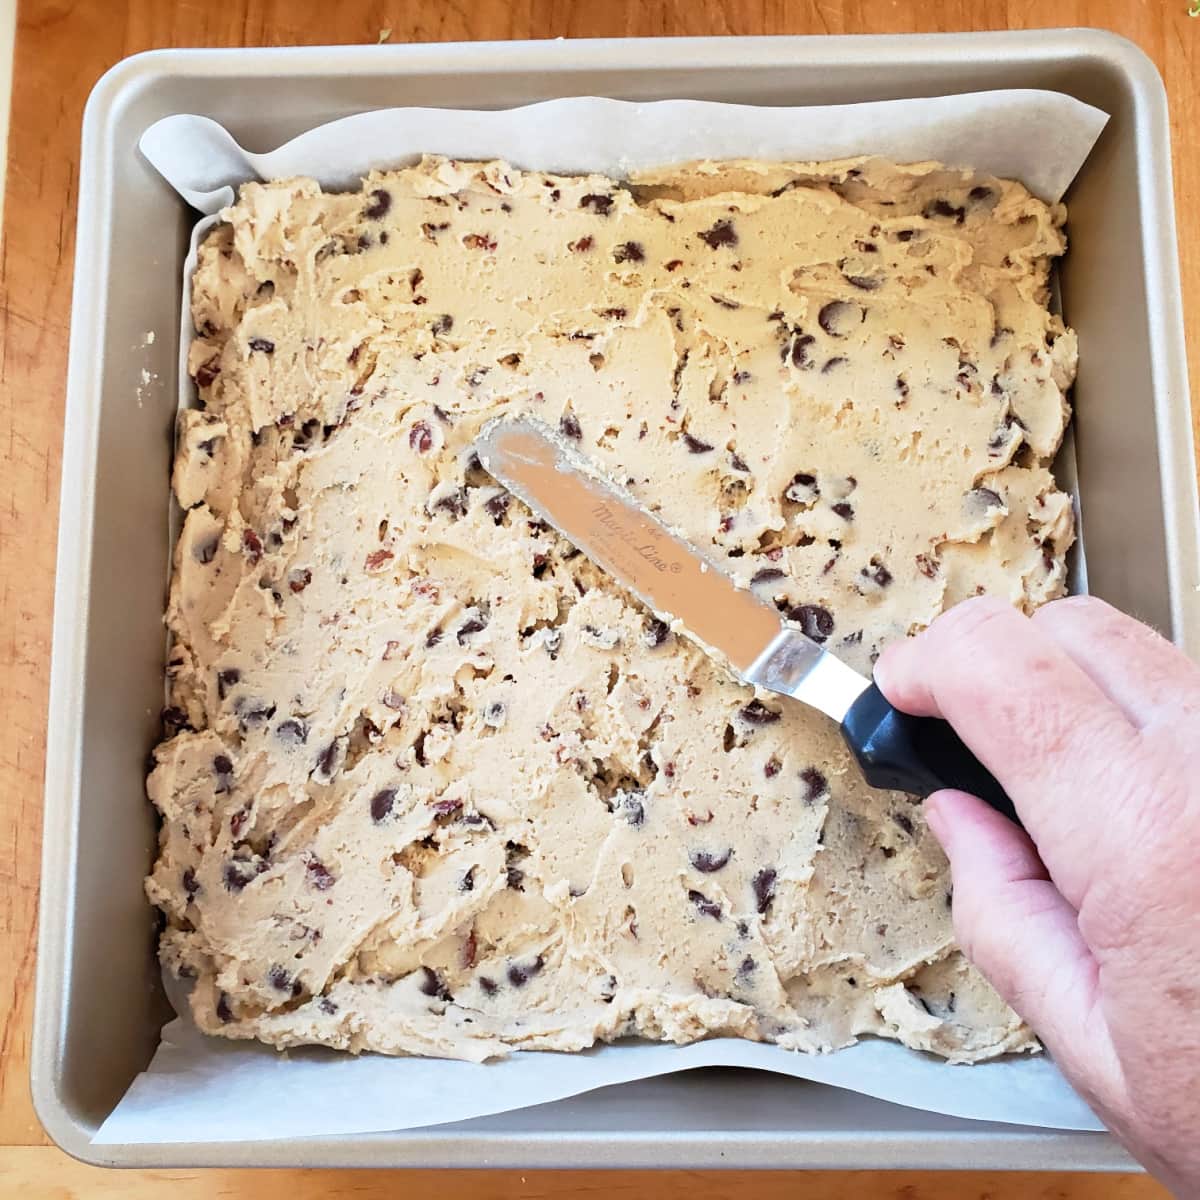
432 784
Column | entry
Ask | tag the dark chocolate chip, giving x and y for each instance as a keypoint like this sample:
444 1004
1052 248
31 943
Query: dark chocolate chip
657 631
704 906
629 252
764 888
865 283
979 194
757 713
800 345
497 506
569 425
815 622
262 344
432 985
904 822
695 445
223 769
191 885
721 234
327 1006
520 974
487 986
474 625
765 575
815 784
737 462
381 804
844 510
207 372
281 981
599 204
380 204
943 208
224 1012
707 863
292 732
226 680
317 874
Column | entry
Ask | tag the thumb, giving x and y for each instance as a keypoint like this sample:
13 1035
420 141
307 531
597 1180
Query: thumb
1016 927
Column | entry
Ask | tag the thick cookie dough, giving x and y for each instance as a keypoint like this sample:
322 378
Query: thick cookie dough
434 785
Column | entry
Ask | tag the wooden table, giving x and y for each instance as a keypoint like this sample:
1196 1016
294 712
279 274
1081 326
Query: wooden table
61 49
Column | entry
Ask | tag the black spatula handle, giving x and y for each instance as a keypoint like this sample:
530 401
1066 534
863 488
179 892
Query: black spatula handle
916 754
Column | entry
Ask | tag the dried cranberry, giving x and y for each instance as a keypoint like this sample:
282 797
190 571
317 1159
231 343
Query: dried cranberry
299 580
376 559
420 437
252 545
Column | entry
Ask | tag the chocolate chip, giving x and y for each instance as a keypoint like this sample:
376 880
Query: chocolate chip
487 986
737 462
281 981
474 625
763 884
432 985
704 905
380 204
765 575
190 883
237 874
630 808
815 784
292 732
601 205
446 808
629 252
721 234
495 714
877 573
497 505
327 1006
224 1012
865 283
772 767
707 863
327 760
223 769
986 498
299 580
569 425
803 489
943 208
905 235
800 345
432 638
226 680
757 713
381 804
207 372
252 546
979 194
420 437
843 510
695 445
515 879
905 823
835 316
318 874
519 975
467 883
657 631
262 344
815 622
453 502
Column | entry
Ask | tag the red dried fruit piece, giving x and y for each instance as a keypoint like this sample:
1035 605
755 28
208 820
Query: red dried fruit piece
379 205
376 559
721 234
299 580
487 986
772 767
381 804
252 546
444 808
696 819
497 505
479 241
704 905
420 437
707 863
208 371
763 884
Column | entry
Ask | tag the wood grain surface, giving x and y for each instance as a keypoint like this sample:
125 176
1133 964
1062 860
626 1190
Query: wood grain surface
62 48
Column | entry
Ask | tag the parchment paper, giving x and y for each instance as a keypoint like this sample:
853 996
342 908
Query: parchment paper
199 1088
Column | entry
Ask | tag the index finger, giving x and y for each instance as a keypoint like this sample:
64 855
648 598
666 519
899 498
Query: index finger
1031 714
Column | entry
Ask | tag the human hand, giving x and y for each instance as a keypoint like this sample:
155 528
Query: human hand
1089 924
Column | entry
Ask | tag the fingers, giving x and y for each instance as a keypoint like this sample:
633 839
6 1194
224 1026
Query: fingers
1040 724
1018 929
1145 675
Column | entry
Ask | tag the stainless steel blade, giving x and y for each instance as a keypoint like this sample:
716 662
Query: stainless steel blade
660 568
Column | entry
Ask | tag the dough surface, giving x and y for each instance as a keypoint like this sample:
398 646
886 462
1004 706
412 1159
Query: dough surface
431 783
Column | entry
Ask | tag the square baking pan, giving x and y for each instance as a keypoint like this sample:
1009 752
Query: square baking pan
100 1003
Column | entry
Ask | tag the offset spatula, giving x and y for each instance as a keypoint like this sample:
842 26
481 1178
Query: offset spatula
895 750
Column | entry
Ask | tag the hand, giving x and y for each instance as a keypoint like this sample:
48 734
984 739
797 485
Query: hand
1089 925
